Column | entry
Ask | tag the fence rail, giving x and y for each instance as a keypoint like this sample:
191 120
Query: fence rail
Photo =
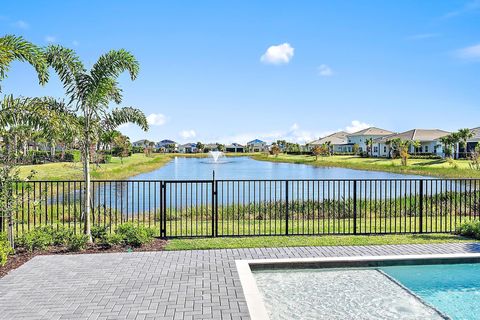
223 208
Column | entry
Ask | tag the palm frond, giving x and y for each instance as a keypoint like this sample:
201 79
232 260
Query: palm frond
124 115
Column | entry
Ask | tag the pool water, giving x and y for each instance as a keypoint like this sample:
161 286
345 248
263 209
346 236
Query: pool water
451 290
454 289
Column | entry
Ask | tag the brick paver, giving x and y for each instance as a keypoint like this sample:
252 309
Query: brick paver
155 285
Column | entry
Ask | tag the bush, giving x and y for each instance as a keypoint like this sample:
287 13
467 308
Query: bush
99 233
38 239
5 249
426 156
76 242
469 229
135 236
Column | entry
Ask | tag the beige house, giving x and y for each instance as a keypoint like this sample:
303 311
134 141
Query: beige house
338 142
429 140
361 137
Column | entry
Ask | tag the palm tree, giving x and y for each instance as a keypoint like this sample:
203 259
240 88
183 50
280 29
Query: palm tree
464 135
90 93
416 144
17 48
369 144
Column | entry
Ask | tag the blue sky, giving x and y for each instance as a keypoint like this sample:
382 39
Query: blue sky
236 70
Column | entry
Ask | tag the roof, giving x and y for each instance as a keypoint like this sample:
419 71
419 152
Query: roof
256 141
372 131
416 135
189 145
143 141
166 141
234 145
335 138
476 135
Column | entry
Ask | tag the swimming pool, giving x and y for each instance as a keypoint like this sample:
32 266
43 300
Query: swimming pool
391 287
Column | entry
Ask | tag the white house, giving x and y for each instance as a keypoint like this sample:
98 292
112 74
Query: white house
429 140
473 141
235 147
141 143
361 137
338 142
257 146
167 145
188 148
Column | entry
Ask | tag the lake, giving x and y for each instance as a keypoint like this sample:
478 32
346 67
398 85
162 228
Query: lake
184 168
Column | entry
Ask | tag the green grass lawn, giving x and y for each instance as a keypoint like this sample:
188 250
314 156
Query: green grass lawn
136 164
430 167
308 241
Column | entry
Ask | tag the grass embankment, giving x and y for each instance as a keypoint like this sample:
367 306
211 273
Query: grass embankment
306 241
429 167
136 164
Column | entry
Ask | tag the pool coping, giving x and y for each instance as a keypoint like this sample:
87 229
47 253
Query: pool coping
254 299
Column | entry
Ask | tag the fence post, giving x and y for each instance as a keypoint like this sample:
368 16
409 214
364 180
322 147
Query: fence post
286 207
163 211
216 208
214 196
354 206
421 207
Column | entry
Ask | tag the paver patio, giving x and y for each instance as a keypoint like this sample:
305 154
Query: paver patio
156 285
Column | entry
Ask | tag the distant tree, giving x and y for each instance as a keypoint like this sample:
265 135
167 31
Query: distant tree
282 144
220 147
122 147
369 144
316 151
416 145
464 135
404 146
171 147
200 146
356 148
275 150
475 158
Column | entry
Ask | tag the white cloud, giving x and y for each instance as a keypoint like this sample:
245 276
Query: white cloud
469 53
156 119
325 71
279 54
50 39
21 24
187 134
355 126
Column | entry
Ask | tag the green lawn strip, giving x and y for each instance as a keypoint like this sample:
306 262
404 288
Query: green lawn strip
306 241
429 167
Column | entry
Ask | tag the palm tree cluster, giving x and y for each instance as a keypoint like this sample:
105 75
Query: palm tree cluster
84 117
455 141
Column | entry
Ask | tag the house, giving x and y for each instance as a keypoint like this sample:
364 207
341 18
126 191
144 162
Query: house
141 143
361 137
188 148
338 142
473 141
235 147
210 147
257 146
167 146
428 139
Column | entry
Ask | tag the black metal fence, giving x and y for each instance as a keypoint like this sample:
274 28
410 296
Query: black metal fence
211 208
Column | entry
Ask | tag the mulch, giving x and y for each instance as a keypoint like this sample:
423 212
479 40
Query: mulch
20 257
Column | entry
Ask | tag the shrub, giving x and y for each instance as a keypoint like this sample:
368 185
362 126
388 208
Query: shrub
76 242
469 229
135 236
38 239
99 233
5 249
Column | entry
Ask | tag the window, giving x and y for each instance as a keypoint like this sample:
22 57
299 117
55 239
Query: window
384 148
426 149
375 149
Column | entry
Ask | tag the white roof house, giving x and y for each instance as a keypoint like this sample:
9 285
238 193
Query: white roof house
428 139
360 137
338 141
257 145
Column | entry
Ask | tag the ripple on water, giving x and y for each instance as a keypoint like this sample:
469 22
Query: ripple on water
338 294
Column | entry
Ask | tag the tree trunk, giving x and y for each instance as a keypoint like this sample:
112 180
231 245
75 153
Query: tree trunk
86 175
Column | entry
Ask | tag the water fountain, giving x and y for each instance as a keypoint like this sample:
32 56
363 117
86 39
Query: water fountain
216 155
